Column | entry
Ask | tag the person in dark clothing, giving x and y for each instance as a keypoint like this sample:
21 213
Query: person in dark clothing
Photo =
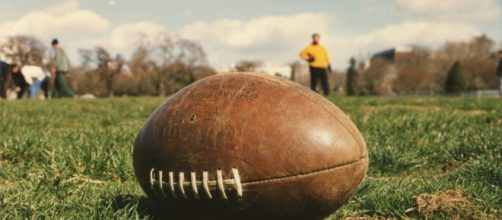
499 70
4 76
45 87
19 80
319 74
319 65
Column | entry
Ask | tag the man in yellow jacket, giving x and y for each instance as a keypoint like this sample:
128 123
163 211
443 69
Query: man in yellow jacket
318 59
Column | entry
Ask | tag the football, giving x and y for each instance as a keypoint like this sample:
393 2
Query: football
249 146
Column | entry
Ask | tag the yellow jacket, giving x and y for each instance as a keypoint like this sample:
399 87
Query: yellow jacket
318 52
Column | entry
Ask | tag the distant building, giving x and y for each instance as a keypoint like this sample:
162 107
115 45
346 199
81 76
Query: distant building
394 54
388 70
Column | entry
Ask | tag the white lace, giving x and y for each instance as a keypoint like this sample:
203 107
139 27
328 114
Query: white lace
177 189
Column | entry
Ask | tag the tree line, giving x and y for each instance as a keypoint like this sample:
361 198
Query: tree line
454 68
156 67
164 65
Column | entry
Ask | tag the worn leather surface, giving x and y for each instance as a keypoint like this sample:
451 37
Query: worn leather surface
298 155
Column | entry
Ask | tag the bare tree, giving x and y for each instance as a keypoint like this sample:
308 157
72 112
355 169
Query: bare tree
143 69
352 79
24 50
175 63
476 58
248 65
424 71
107 67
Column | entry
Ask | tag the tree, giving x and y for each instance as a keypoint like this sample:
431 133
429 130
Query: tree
247 65
178 61
294 69
352 77
369 86
23 50
164 66
476 58
455 82
300 73
107 69
143 68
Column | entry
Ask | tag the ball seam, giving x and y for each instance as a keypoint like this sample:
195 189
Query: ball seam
281 178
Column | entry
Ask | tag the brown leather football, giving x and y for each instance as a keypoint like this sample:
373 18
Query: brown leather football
249 146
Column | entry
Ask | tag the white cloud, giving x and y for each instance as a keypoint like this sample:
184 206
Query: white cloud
64 20
270 38
81 21
278 39
78 29
125 36
423 33
458 10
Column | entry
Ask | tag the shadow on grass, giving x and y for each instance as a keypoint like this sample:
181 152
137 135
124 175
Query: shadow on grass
136 205
144 207
132 206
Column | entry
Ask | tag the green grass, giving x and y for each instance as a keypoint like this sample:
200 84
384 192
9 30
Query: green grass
72 158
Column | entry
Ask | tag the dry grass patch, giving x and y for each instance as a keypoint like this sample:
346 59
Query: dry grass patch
450 202
368 218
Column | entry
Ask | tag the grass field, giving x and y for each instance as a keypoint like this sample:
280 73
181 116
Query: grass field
429 158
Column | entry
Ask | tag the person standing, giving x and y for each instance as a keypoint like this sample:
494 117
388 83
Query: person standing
19 80
61 66
499 71
319 65
37 78
4 75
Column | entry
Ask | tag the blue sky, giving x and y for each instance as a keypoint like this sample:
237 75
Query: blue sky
271 31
